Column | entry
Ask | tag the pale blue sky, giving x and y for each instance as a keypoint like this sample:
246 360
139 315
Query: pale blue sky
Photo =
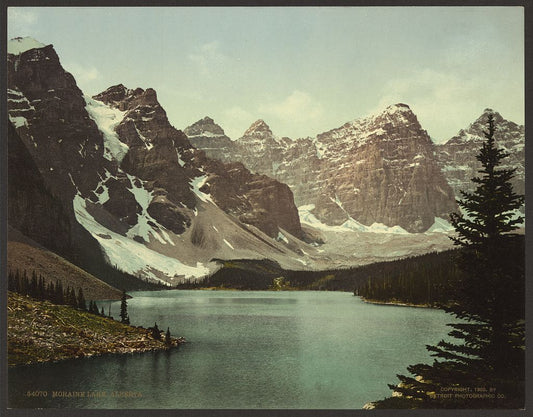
302 70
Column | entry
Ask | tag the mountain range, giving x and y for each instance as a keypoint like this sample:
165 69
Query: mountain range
107 181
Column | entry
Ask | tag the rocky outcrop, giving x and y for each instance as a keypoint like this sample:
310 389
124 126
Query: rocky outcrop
457 156
379 169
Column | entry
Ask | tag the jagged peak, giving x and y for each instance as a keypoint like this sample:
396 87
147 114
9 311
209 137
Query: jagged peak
17 46
204 127
474 132
119 95
259 126
488 111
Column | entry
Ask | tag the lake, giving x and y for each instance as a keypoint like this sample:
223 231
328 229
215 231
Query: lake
246 349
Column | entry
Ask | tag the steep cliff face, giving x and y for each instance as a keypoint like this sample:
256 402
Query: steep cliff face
47 109
457 156
380 169
32 209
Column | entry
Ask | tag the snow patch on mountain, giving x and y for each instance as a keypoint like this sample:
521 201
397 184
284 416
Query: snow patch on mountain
197 183
107 119
131 256
350 225
17 46
440 226
18 121
229 244
281 237
144 227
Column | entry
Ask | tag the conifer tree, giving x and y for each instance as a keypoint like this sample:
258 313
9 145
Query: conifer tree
156 333
82 305
124 318
59 295
168 341
488 298
41 289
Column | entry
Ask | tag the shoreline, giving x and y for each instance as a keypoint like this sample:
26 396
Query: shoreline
396 303
41 332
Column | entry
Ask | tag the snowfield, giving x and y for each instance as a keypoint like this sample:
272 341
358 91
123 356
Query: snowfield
107 119
131 256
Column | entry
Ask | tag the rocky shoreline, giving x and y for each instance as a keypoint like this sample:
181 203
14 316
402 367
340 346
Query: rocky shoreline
39 331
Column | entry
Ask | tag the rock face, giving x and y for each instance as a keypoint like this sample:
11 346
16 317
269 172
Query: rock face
457 156
32 208
380 169
48 110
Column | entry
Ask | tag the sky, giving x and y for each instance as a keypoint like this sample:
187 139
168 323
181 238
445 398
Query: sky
303 70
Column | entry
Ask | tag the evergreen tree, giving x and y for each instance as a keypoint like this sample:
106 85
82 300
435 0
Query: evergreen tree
168 341
25 284
488 298
41 289
82 305
156 333
124 318
33 290
59 294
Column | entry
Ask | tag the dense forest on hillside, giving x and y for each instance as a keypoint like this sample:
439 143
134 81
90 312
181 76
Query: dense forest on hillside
416 280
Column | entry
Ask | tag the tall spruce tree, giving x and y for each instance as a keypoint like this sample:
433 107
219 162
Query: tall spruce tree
82 305
124 318
485 366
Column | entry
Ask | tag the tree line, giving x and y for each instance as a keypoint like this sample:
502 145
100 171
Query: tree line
418 280
37 288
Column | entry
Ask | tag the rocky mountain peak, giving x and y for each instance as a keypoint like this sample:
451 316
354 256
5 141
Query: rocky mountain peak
205 127
259 127
458 155
474 132
112 95
398 114
125 98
